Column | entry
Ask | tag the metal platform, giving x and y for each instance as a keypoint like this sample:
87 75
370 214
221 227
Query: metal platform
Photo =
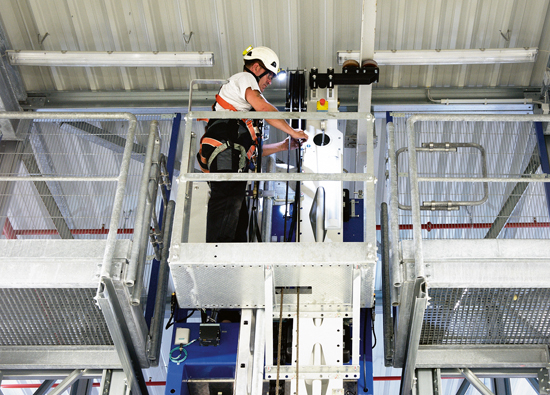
48 316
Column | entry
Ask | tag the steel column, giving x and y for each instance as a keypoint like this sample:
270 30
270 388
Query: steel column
502 386
113 382
428 382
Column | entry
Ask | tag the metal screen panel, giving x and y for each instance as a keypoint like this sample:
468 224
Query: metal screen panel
478 316
510 151
73 148
51 317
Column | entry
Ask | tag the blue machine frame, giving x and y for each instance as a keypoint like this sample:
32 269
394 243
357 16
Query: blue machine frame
203 362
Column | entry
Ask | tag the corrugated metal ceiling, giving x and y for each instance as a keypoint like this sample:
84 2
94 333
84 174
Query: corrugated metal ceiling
305 33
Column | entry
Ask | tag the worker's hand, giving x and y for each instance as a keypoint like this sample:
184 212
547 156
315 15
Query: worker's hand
299 135
294 143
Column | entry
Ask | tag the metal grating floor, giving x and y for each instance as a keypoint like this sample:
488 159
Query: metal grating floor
487 316
51 317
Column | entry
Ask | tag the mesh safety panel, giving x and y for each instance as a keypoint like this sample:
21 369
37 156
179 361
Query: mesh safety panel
52 316
487 316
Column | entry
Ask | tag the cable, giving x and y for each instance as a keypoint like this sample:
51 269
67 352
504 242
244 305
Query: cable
173 307
179 359
183 352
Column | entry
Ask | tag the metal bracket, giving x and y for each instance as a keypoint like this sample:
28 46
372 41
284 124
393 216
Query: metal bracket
544 384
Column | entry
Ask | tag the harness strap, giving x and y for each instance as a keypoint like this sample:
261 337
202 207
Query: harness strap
229 145
248 122
220 147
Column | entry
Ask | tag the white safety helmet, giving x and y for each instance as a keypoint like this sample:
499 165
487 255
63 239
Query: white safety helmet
268 57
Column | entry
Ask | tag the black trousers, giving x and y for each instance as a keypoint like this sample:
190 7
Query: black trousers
227 218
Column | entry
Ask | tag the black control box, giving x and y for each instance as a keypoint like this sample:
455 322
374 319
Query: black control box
209 334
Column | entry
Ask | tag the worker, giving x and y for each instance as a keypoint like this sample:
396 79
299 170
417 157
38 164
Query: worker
228 145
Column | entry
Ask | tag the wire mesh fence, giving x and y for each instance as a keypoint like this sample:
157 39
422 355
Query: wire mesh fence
473 210
69 209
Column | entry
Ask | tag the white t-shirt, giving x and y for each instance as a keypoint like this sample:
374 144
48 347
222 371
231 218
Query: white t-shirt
235 90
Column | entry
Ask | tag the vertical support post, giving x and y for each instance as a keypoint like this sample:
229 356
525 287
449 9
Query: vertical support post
386 288
429 382
267 214
502 386
113 382
544 160
243 370
155 332
368 24
177 235
366 383
259 353
543 381
81 387
397 277
415 200
356 316
268 319
141 219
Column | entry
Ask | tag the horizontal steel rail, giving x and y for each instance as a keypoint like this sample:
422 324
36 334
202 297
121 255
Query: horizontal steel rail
277 177
278 115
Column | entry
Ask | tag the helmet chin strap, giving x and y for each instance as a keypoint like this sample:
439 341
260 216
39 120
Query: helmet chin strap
258 78
255 76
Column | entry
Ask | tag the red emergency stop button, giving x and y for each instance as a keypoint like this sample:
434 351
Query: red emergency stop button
322 105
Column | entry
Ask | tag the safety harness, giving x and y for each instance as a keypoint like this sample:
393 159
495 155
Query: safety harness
220 146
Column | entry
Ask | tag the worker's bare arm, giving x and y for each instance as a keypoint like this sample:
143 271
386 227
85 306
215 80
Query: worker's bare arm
257 102
269 149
